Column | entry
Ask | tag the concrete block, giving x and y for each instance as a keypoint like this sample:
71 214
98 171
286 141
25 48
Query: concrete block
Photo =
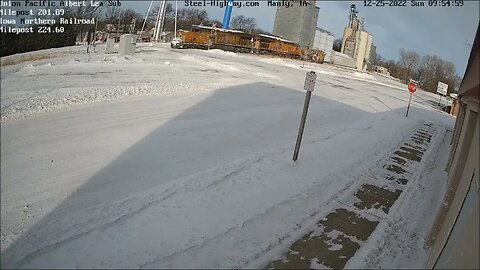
128 43
110 46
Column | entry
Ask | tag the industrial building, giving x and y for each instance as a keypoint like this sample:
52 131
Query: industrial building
324 41
357 43
454 238
297 21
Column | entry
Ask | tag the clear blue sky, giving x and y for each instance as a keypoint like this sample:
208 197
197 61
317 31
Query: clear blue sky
444 31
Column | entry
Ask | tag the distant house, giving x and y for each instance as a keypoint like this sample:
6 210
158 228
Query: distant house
145 36
166 36
381 70
114 31
456 229
109 28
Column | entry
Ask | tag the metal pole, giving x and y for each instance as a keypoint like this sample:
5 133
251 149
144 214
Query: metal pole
440 99
157 22
118 29
145 20
302 125
227 15
95 34
409 100
163 6
176 12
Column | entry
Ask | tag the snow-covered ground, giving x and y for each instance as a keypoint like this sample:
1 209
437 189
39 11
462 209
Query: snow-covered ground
182 158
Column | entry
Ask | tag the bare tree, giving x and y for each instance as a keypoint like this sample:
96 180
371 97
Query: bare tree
87 11
217 23
130 17
112 14
189 16
169 17
378 60
186 17
433 69
428 70
243 23
409 61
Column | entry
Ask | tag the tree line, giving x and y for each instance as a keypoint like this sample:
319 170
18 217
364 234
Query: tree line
428 70
186 17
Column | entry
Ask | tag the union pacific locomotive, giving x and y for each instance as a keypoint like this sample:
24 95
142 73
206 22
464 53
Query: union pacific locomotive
205 37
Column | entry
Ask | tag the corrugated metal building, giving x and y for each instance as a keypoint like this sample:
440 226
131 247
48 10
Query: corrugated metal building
324 41
455 234
297 23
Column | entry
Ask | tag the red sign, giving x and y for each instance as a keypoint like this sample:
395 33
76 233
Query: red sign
412 87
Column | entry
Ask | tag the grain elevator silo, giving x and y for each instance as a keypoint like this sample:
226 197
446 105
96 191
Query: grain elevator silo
357 42
297 21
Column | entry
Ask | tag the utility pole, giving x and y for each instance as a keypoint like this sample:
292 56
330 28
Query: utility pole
145 20
118 29
176 12
160 20
95 34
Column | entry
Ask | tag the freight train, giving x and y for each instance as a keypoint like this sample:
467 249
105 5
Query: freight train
205 37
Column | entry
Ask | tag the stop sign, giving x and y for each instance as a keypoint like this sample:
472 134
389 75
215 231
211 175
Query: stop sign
412 87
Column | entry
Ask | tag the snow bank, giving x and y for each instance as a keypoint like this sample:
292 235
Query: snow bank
364 76
222 52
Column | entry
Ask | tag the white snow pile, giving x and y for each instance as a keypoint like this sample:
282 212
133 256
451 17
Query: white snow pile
364 75
222 52
282 62
328 72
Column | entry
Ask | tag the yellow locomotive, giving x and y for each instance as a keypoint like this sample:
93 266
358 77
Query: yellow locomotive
205 37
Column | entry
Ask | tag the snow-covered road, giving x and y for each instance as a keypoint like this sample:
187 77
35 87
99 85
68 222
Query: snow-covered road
182 158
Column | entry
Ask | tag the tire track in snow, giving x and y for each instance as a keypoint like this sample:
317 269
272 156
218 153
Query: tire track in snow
88 223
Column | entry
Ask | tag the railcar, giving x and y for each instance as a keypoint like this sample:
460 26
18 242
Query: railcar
205 37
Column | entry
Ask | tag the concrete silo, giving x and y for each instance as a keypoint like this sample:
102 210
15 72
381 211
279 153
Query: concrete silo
297 22
357 42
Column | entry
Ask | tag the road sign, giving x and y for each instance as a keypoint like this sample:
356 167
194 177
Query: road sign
412 87
409 101
442 88
310 80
